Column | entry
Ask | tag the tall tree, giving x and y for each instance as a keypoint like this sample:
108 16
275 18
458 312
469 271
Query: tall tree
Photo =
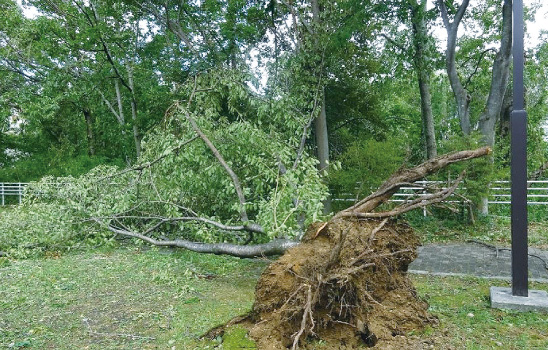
461 95
420 60
320 123
407 30
499 76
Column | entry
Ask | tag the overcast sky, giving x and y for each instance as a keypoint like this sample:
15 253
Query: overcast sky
534 28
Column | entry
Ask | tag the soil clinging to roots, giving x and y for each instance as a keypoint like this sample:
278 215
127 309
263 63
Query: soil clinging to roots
345 287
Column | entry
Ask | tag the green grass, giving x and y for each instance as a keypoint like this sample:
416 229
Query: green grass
161 299
121 299
491 229
467 321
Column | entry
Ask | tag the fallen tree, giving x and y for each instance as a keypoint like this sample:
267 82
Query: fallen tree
186 193
345 284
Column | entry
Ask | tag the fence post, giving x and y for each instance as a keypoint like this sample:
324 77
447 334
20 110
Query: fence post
2 190
20 192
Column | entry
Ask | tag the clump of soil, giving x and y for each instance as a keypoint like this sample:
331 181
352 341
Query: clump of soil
345 287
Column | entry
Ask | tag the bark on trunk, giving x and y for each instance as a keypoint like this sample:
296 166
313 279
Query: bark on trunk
499 82
507 106
322 148
407 176
499 79
320 124
420 35
461 95
135 127
322 139
120 114
275 247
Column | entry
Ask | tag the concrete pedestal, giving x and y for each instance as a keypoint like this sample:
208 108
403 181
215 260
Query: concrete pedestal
502 298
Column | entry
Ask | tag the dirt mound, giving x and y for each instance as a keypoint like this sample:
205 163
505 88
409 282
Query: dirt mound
344 287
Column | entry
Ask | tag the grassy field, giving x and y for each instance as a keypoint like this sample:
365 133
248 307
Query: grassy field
162 299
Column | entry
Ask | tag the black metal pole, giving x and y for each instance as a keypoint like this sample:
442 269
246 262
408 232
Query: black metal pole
518 151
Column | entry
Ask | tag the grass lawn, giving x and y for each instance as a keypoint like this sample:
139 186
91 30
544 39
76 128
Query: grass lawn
161 299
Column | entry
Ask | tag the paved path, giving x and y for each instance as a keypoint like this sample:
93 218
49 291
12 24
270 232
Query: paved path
461 259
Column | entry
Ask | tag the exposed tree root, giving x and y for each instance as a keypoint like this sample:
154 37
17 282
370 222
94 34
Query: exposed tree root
346 286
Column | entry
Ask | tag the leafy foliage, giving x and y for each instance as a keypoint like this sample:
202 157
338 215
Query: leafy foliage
178 176
364 166
35 228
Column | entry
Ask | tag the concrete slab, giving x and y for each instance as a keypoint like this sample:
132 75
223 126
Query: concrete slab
472 259
502 298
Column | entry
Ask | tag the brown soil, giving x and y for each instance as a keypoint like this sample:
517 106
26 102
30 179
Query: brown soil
345 287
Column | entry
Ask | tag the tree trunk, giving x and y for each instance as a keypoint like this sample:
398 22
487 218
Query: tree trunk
322 140
499 82
420 35
136 134
120 115
499 79
405 176
461 95
320 124
504 118
322 147
89 132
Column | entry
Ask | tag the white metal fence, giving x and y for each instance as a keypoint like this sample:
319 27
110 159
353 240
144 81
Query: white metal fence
500 192
12 189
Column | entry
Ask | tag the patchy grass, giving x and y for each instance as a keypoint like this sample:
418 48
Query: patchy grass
161 299
121 299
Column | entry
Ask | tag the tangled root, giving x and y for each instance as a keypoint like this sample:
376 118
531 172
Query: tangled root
345 286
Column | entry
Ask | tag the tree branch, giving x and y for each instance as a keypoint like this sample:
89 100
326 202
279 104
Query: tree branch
390 186
147 165
110 107
476 68
393 42
295 15
460 12
414 204
164 220
275 247
224 164
311 119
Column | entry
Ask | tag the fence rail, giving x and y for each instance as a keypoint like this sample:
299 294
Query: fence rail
500 192
12 189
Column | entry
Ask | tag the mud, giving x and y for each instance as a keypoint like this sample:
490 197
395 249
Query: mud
344 287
